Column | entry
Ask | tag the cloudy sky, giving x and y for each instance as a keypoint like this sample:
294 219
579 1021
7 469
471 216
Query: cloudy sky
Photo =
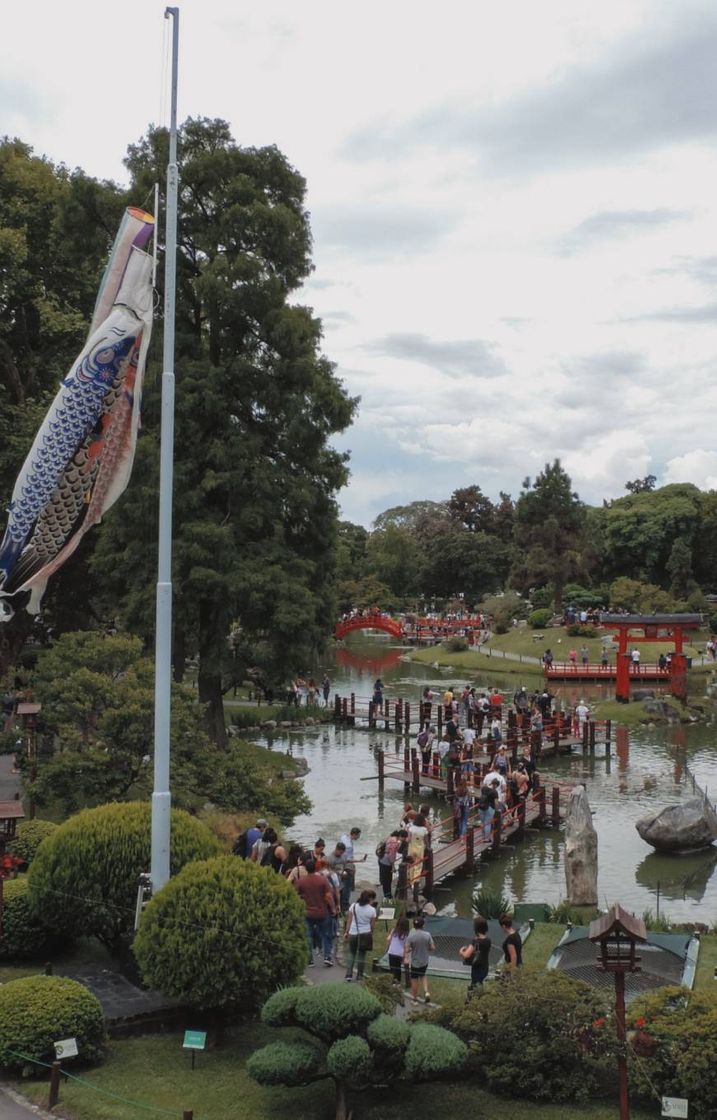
513 207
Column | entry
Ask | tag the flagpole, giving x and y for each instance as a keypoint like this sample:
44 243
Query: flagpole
161 797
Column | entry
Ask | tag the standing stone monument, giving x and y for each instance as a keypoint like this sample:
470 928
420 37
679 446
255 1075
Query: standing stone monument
581 850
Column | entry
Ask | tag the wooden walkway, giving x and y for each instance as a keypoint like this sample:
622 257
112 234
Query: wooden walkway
447 854
569 671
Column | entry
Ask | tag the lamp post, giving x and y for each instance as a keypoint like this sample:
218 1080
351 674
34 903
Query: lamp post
617 933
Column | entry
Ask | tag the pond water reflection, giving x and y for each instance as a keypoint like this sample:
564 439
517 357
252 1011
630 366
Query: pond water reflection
646 771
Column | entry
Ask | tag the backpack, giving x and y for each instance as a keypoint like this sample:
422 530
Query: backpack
267 858
381 849
240 843
422 739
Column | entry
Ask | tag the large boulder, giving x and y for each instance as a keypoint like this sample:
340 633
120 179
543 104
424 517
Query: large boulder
581 850
686 827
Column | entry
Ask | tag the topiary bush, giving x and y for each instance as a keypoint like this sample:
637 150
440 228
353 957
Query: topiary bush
540 1035
539 619
674 1033
456 644
222 933
24 935
37 1011
358 1046
28 838
86 873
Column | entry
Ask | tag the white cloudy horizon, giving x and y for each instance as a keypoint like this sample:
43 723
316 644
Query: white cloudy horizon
513 211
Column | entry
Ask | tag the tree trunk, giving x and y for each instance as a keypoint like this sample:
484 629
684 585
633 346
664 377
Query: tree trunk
213 630
342 1108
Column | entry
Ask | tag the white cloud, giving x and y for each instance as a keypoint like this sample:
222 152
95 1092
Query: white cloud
698 466
513 207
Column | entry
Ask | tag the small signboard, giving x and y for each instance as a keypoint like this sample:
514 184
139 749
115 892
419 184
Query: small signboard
675 1106
196 1040
66 1048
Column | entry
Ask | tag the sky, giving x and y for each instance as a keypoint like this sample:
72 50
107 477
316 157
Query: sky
513 207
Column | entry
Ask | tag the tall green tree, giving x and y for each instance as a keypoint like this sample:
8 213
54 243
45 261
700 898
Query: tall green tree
548 537
255 517
393 556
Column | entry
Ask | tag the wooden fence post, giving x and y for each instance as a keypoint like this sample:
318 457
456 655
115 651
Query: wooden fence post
381 769
449 781
496 826
541 804
556 736
608 735
520 818
188 1114
428 872
470 849
586 733
415 771
556 806
353 703
592 736
407 717
345 710
397 715
337 707
54 1094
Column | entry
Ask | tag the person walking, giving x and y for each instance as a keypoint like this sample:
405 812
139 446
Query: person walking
477 953
348 875
358 934
512 945
387 853
396 945
418 948
316 893
326 689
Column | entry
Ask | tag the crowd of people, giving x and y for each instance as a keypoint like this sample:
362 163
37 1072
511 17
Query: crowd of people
303 693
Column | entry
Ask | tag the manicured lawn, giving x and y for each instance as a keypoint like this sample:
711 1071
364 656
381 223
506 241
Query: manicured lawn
155 1072
521 640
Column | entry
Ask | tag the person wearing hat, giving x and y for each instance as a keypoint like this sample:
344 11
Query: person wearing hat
254 834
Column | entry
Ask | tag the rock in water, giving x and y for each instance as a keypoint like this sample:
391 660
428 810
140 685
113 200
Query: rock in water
581 850
680 828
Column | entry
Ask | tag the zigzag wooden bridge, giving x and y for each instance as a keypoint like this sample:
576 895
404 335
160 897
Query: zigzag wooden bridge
446 857
397 715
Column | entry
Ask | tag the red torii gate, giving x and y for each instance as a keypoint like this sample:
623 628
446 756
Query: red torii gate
640 628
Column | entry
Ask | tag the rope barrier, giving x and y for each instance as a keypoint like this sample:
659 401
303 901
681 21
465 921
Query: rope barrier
98 1089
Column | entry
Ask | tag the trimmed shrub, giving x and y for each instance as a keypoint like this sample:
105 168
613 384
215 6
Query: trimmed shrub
581 630
539 619
30 835
23 934
349 1059
674 1033
221 933
37 1011
433 1052
549 1044
285 1063
359 1046
388 1033
456 644
86 873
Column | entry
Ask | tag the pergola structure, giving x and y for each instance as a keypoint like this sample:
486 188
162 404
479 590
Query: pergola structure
636 629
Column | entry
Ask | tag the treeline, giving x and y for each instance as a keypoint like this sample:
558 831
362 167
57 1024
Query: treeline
650 550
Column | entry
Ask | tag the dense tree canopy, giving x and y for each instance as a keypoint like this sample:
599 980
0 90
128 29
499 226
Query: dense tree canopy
255 512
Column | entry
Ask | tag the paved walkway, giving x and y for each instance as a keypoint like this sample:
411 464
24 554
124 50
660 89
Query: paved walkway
14 1107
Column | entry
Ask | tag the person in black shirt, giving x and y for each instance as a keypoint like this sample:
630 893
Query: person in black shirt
512 946
476 954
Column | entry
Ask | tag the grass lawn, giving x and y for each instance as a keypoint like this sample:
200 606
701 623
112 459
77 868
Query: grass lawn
155 1072
523 640
474 662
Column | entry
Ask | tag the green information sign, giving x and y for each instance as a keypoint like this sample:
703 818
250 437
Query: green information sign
194 1040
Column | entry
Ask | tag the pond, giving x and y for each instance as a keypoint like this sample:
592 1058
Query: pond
647 770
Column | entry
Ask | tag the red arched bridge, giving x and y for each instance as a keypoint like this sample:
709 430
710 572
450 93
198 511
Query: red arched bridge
410 628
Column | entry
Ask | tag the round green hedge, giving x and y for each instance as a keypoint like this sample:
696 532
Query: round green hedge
24 936
86 874
223 932
28 838
38 1011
